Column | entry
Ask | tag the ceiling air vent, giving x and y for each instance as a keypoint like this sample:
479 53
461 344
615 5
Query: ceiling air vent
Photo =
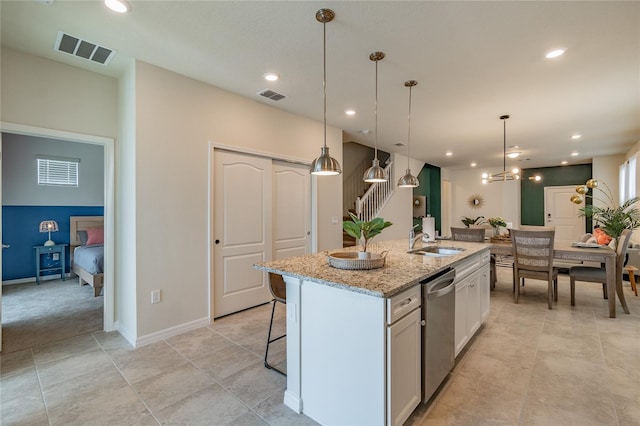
270 94
83 49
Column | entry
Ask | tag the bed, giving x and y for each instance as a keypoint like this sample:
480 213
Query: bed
87 260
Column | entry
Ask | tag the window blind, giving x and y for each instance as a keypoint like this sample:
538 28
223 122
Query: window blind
57 172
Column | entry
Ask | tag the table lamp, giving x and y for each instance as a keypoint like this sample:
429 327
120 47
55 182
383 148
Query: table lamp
49 226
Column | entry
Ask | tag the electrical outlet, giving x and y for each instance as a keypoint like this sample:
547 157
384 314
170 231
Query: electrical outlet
155 296
56 256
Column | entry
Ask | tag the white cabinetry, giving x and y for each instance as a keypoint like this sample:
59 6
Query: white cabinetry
472 298
404 371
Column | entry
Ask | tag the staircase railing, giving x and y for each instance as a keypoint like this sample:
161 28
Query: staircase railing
371 203
353 186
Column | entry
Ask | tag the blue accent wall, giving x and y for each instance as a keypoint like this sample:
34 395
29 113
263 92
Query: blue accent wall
21 230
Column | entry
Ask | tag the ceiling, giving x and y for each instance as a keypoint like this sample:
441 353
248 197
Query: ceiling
474 61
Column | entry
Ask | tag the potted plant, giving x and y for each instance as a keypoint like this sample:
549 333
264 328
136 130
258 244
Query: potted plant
365 231
497 223
612 218
468 221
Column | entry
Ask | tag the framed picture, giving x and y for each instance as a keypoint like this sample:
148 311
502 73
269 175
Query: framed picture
419 206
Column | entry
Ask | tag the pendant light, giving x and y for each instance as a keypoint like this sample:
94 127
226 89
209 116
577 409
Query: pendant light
409 180
505 174
375 173
325 165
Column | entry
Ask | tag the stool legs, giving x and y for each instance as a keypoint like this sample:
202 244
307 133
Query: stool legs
270 340
632 281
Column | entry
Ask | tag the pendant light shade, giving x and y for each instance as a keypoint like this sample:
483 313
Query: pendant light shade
325 165
375 173
409 180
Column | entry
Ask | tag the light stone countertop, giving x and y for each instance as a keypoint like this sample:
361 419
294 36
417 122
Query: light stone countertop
401 270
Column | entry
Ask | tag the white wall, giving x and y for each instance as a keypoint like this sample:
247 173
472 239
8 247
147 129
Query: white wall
125 212
176 118
500 198
19 174
607 170
43 93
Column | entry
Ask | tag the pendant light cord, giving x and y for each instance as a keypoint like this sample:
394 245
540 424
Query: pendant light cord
375 153
324 78
409 130
504 147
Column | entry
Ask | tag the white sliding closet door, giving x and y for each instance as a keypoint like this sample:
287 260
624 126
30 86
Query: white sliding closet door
242 230
292 210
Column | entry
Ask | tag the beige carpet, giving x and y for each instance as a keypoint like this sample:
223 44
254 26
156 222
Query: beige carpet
34 315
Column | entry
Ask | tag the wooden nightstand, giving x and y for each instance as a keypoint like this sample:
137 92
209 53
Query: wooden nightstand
61 249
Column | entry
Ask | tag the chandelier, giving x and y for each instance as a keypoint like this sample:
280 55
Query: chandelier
504 175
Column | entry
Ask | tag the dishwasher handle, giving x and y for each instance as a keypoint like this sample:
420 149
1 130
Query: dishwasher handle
440 290
441 285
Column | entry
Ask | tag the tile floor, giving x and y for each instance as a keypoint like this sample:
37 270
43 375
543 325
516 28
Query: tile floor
527 366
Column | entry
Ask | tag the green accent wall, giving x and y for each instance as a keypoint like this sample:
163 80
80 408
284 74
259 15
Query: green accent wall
429 178
532 194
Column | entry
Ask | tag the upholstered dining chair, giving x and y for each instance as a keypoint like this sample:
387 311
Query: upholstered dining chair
278 290
599 275
533 258
475 235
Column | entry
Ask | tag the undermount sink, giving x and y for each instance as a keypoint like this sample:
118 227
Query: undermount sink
436 251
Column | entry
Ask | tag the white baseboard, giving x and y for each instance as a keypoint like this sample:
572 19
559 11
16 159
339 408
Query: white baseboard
33 279
129 337
293 402
169 332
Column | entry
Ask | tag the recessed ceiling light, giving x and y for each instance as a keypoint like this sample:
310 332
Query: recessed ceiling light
350 112
120 6
473 164
576 136
271 76
513 154
555 53
575 154
564 162
448 153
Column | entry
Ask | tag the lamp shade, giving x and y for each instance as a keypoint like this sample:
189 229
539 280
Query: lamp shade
375 173
325 165
48 226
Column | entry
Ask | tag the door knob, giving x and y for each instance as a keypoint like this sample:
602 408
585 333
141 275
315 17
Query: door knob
217 241
5 245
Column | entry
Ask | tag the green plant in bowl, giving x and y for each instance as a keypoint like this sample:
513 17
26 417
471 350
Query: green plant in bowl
363 230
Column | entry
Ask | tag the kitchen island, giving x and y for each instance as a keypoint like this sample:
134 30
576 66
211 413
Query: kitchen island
348 360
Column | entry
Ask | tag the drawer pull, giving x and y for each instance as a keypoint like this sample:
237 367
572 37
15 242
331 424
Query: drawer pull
405 302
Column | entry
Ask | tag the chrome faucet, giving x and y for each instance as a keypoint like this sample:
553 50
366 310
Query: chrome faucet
413 237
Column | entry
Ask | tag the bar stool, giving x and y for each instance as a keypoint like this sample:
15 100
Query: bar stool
631 270
278 290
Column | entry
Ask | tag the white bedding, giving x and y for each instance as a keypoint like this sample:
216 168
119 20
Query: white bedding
90 258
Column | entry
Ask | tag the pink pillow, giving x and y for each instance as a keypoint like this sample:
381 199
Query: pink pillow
95 236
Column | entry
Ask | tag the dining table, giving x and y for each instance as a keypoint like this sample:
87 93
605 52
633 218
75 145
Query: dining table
564 251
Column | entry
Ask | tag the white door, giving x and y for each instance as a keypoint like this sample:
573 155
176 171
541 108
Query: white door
291 210
560 212
242 230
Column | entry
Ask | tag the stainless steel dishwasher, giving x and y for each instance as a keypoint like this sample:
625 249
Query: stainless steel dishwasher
438 315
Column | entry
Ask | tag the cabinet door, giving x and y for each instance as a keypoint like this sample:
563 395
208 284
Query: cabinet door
474 312
404 368
461 334
485 290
